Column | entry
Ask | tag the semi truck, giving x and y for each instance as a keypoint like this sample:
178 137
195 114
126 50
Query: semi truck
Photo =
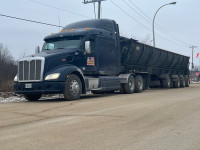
91 55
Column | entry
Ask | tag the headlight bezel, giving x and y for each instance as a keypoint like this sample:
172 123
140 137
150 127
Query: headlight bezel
52 76
16 78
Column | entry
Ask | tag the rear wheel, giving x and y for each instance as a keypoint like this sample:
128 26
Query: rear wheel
177 83
130 86
166 82
187 82
32 97
182 81
139 84
73 88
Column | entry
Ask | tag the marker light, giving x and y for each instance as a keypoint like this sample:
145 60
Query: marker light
66 30
72 29
51 33
52 76
86 28
61 31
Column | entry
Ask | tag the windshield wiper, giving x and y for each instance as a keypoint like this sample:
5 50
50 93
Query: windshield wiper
60 48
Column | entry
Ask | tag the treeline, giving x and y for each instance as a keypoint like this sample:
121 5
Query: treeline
8 69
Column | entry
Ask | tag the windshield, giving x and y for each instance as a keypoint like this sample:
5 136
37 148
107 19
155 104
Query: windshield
62 43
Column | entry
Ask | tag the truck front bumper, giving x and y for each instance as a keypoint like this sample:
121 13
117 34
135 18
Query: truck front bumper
39 87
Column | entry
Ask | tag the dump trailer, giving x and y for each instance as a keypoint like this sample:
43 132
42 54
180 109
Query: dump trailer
91 56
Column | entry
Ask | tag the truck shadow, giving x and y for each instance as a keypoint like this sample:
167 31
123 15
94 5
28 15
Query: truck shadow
50 99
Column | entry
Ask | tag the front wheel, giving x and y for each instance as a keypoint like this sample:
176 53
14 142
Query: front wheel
73 88
32 97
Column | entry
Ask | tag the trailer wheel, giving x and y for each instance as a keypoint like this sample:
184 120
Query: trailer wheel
129 87
182 81
166 82
73 88
177 83
32 97
139 84
187 82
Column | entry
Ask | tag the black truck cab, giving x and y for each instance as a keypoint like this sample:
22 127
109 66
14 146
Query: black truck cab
87 49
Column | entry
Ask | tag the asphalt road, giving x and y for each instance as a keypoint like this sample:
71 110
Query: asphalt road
157 119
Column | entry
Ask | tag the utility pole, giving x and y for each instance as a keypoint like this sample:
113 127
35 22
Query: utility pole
99 5
193 47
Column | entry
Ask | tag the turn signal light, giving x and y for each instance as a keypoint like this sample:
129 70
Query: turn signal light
72 29
86 28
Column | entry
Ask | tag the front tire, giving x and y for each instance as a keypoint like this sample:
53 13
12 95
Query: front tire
32 97
73 88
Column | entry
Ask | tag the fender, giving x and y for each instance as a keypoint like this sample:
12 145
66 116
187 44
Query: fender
66 70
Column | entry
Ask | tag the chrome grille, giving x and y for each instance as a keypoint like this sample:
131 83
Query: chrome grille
30 69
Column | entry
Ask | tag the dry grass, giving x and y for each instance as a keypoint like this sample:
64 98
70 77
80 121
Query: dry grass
6 86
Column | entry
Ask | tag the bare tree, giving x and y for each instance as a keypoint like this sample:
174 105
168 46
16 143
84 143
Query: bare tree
147 40
8 69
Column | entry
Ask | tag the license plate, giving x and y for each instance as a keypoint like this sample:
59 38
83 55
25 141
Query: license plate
28 86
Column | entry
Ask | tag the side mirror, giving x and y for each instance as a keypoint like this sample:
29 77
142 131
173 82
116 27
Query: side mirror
87 47
37 49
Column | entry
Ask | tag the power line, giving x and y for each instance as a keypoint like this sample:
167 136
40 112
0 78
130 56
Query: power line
59 9
30 20
130 15
142 24
161 28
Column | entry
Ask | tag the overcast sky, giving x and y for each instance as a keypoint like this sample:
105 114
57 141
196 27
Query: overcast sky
180 21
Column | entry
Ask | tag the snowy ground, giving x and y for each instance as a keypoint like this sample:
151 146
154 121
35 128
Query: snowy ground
9 97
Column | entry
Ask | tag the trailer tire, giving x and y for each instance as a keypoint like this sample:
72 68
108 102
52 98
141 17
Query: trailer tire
187 82
182 81
129 87
166 82
177 83
73 88
32 97
139 84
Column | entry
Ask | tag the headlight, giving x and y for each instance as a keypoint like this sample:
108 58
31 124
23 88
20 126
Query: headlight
16 78
52 76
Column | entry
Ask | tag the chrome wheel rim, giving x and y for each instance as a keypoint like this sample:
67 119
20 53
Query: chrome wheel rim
74 87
